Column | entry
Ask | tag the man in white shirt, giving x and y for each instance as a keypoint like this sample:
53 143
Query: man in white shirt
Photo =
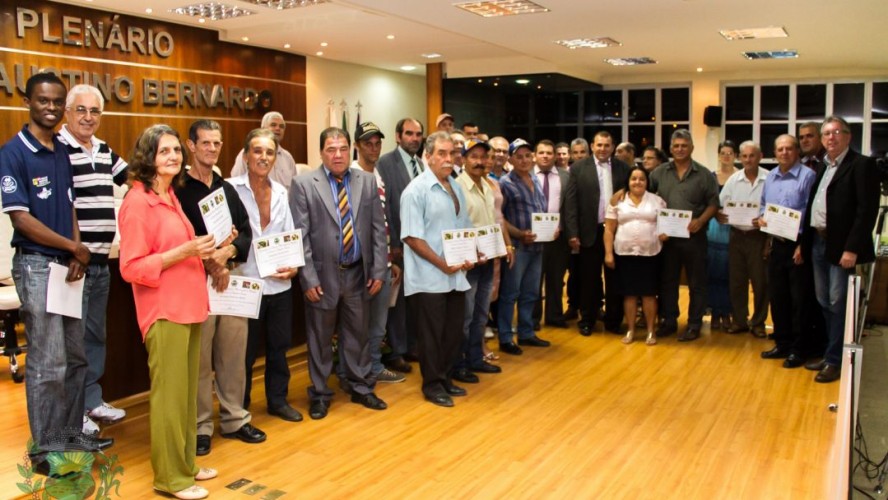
747 245
285 167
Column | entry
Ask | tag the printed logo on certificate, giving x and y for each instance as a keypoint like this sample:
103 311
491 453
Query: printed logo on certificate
674 223
216 216
490 241
544 225
242 297
276 251
782 221
459 246
741 213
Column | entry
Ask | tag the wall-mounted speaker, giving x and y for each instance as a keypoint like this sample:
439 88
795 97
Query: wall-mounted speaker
712 116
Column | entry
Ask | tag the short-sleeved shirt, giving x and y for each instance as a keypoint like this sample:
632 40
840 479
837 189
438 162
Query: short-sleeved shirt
427 210
519 202
480 200
738 188
37 180
697 191
789 190
637 225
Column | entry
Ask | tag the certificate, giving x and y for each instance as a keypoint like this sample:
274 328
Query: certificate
544 226
241 298
741 213
278 250
490 241
781 221
459 246
62 297
674 223
216 216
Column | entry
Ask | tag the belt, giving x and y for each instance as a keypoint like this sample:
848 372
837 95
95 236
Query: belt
353 264
25 251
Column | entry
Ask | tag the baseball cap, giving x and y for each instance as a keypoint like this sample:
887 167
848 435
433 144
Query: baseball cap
442 117
471 143
519 143
367 130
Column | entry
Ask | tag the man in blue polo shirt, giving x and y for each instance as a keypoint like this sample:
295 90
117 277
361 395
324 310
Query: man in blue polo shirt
36 185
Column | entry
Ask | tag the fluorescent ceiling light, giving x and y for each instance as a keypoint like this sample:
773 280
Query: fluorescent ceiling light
629 61
433 55
285 4
212 10
408 68
497 8
522 81
755 33
589 43
771 54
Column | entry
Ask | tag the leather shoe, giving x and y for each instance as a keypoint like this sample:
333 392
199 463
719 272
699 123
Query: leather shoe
534 342
690 334
286 412
666 329
776 353
247 433
85 442
733 328
485 367
369 400
816 365
829 373
585 330
759 332
510 348
203 445
440 399
793 361
557 323
454 390
318 409
464 375
399 365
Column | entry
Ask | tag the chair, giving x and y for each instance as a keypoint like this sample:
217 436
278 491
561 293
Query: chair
9 302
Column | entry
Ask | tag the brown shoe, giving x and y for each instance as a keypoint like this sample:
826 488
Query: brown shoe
759 332
829 373
734 328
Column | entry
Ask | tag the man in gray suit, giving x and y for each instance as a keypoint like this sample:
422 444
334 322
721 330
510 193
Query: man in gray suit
397 168
343 236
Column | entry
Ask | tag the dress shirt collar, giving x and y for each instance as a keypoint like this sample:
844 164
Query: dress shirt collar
839 159
792 172
331 177
72 141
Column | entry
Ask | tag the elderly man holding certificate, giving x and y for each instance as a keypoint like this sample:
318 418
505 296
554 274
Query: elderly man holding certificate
272 224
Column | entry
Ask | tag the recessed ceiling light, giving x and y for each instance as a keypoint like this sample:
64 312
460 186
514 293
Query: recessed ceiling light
539 87
589 43
522 81
755 33
201 20
390 37
771 54
433 55
319 53
629 61
496 84
245 38
408 68
480 80
497 8
699 70
212 10
285 4
149 10
324 44
286 45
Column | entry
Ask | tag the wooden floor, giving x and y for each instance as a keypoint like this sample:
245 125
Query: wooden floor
588 417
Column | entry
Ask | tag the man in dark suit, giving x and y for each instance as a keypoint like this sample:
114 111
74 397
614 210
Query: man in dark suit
842 210
592 182
556 254
397 168
343 236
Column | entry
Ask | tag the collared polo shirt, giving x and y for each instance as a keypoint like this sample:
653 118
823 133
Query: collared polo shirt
790 190
697 191
479 200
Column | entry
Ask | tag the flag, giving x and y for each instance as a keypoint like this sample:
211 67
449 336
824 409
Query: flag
358 131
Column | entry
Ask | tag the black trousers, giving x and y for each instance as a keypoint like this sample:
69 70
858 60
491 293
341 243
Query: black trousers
789 287
689 253
556 257
274 325
594 286
439 321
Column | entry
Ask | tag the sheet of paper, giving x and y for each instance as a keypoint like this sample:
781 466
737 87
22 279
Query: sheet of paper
241 298
781 221
544 226
216 216
62 297
490 241
741 213
459 246
278 250
674 223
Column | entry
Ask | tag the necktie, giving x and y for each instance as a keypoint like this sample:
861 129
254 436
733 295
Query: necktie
546 188
414 167
345 224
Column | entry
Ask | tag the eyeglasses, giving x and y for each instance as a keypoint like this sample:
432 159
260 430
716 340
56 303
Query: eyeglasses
835 132
82 111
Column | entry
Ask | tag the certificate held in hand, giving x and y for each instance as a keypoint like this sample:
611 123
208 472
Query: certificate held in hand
241 298
544 226
280 250
674 223
741 213
216 216
459 246
781 221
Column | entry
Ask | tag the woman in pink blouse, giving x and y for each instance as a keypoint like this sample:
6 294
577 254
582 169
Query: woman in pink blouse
630 232
161 257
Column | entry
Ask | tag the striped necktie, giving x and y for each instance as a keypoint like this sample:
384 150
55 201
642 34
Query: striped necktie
345 224
414 167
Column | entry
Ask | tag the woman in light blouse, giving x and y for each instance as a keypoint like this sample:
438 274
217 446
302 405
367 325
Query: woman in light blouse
162 258
631 246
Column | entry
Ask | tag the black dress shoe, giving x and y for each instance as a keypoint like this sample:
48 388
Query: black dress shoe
690 334
776 353
454 390
369 400
399 365
534 342
485 367
440 399
247 433
666 329
793 361
585 329
816 365
829 373
203 445
557 323
86 442
464 375
318 409
286 412
510 348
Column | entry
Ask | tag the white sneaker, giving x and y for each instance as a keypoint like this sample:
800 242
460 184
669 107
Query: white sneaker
107 413
90 428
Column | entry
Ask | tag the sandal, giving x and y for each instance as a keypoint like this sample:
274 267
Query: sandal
491 356
651 339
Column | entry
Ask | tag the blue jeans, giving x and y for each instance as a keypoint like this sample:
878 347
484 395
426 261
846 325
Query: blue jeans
520 284
379 308
56 361
95 305
477 306
831 287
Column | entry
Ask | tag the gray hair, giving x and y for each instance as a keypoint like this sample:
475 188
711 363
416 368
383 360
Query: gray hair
268 116
814 125
83 89
579 141
795 141
836 119
750 144
682 133
435 138
627 146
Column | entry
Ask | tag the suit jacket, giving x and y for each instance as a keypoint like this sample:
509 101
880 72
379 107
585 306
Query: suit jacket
581 198
394 174
852 205
315 213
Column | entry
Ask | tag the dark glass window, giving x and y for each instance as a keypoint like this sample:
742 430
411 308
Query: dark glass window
545 107
738 103
570 107
848 100
675 104
880 100
666 131
517 109
604 106
810 102
738 133
880 138
641 136
616 132
775 102
768 133
642 105
856 135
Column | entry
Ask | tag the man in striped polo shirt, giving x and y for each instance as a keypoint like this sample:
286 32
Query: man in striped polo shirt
96 168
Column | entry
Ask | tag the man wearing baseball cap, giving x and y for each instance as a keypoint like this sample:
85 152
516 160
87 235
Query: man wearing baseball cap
444 123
